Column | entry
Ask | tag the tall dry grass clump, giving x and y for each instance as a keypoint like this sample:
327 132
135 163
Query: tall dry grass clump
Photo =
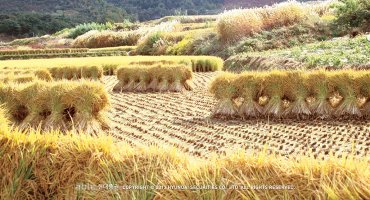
98 39
294 94
158 78
78 106
50 165
235 24
238 23
283 14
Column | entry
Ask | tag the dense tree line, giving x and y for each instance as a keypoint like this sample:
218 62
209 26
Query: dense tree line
143 10
31 24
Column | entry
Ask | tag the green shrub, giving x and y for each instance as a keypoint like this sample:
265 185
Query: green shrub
84 28
353 13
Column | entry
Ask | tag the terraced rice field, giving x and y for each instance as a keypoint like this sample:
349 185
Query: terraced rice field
184 120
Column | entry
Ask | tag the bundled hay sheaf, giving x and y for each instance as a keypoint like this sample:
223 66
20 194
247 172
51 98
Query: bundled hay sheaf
225 91
364 81
157 78
321 91
78 106
348 86
249 87
24 76
75 73
293 94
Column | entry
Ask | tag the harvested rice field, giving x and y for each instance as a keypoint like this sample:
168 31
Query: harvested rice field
184 120
238 102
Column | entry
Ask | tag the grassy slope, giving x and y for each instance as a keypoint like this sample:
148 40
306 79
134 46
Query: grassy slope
338 52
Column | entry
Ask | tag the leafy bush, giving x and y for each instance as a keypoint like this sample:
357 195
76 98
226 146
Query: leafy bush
157 43
353 13
84 28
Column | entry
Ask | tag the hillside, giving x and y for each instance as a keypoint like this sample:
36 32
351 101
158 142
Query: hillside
39 17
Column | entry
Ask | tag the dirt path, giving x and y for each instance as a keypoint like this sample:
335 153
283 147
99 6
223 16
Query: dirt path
183 120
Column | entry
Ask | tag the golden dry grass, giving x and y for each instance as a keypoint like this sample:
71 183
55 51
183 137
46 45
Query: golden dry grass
97 39
235 24
215 63
41 51
55 166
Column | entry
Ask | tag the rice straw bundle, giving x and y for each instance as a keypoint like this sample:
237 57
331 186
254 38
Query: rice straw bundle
182 76
35 96
89 100
320 90
154 74
154 78
143 81
43 74
344 82
249 86
296 90
61 104
274 90
225 91
364 81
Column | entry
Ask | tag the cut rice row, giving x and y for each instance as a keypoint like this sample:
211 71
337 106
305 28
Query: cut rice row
293 94
157 78
61 105
48 74
25 76
42 51
73 72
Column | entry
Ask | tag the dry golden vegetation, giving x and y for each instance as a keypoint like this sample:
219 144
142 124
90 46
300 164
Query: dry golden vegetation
289 94
59 105
40 165
96 39
73 72
42 51
22 76
159 78
52 73
110 64
235 24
